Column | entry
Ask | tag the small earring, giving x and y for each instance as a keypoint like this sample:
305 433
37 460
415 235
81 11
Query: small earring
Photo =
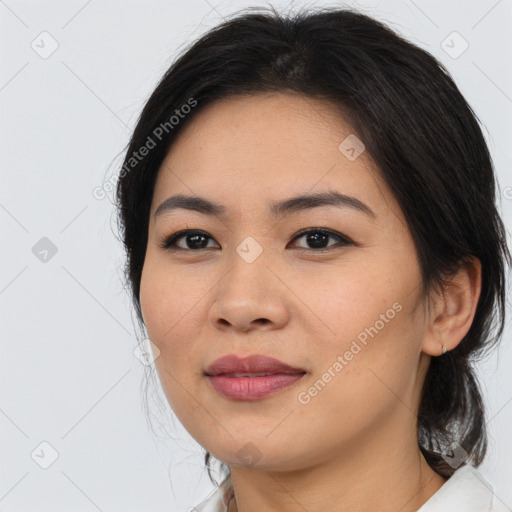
444 350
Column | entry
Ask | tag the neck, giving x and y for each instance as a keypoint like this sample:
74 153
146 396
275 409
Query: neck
387 474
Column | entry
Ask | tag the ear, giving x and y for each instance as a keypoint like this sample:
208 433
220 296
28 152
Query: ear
453 309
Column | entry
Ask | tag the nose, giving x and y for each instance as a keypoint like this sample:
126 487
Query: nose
251 295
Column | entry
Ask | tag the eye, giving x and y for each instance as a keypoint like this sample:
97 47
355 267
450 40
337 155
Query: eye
195 240
319 236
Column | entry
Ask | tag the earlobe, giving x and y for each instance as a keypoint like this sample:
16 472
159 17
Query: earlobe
453 309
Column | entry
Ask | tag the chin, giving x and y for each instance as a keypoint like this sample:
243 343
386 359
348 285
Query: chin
262 455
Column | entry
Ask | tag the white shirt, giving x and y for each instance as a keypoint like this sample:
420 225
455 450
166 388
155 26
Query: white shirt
465 491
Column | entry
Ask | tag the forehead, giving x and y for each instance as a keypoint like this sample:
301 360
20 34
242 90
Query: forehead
271 144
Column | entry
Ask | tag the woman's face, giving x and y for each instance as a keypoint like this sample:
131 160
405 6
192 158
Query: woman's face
348 313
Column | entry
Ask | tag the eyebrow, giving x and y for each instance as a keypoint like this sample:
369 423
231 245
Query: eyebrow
288 206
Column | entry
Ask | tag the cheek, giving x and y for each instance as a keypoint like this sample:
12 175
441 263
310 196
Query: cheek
357 383
169 302
351 300
374 340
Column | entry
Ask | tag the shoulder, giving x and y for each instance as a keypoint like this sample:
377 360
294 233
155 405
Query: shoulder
498 505
465 491
216 500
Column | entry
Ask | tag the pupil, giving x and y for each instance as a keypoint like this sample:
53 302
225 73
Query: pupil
194 239
314 238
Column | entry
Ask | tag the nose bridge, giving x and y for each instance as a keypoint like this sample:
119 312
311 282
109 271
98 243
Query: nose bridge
248 276
249 291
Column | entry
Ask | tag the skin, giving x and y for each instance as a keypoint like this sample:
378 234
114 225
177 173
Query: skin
353 446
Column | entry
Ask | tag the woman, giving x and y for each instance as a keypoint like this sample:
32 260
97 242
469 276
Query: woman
308 209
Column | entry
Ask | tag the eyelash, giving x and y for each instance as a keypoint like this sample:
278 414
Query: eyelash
169 243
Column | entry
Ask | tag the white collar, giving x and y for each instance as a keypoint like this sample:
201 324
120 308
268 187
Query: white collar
465 491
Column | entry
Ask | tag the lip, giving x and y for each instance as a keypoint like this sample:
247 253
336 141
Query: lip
250 364
281 376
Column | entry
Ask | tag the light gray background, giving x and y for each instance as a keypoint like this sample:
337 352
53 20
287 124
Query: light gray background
68 373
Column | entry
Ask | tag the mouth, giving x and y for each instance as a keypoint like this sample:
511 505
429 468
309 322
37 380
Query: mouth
251 378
